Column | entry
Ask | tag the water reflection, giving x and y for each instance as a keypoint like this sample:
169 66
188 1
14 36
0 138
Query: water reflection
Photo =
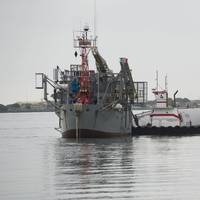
37 164
140 168
93 168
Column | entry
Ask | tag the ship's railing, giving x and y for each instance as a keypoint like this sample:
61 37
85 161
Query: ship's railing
80 42
74 67
75 71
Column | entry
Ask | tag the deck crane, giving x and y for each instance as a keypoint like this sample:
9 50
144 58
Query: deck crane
130 90
101 64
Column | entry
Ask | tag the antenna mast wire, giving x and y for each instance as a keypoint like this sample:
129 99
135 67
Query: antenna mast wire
95 19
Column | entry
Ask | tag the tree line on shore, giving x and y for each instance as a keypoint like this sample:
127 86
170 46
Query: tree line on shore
46 107
27 107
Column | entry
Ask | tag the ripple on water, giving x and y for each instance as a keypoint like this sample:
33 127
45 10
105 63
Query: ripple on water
37 164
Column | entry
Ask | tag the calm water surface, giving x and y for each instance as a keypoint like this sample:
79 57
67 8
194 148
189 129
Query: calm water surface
36 163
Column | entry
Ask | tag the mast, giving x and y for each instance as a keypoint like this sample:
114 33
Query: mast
95 18
157 80
161 96
166 83
84 45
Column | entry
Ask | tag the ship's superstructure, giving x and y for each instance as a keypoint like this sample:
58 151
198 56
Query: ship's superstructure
89 103
163 114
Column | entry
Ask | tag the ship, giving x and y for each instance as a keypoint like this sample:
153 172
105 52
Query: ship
92 103
162 114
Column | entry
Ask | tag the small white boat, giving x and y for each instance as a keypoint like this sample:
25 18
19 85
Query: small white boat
163 115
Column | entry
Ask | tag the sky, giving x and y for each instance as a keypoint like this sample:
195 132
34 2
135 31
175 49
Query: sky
163 35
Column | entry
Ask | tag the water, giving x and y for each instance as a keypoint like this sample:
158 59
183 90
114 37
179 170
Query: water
36 163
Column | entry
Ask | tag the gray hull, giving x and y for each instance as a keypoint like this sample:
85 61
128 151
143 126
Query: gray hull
92 122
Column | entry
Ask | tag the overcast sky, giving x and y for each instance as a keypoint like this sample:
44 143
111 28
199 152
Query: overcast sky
36 35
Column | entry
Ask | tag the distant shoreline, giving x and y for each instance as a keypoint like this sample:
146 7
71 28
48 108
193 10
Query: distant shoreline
26 107
47 107
24 112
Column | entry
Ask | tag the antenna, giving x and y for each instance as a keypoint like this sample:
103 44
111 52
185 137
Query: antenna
166 83
157 80
95 18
